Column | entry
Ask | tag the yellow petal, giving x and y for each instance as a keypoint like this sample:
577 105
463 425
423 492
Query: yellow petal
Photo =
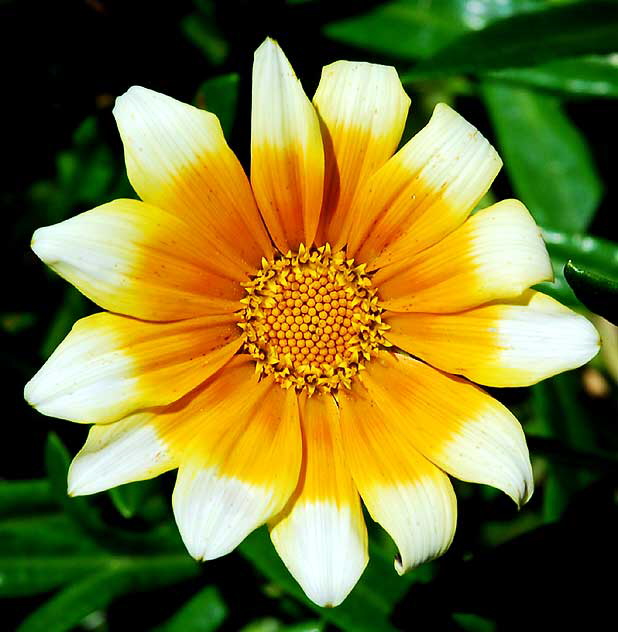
287 159
177 159
240 465
321 535
138 260
109 365
499 345
497 254
410 497
424 192
452 422
362 109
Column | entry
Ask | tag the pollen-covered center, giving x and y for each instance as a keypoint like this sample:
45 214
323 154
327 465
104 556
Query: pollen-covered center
312 319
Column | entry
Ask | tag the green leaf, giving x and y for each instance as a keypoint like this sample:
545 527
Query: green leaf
594 253
129 498
73 307
57 463
25 496
557 406
598 293
29 574
219 95
42 535
205 612
98 589
416 29
26 575
200 28
66 609
528 39
368 606
593 76
546 157
473 623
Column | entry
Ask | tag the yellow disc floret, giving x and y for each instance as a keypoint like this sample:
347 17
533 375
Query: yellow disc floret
312 319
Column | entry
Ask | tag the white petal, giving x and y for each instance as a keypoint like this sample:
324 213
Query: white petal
216 513
323 549
126 451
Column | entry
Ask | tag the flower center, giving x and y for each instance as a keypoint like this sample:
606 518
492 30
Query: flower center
312 319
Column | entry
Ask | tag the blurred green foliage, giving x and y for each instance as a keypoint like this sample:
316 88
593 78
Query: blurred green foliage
519 67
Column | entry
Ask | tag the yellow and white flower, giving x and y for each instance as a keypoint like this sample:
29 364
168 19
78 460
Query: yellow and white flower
300 342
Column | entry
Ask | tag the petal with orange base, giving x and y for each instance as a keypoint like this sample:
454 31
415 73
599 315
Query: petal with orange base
452 422
424 192
287 158
135 259
516 344
177 159
154 440
497 254
409 496
362 109
321 535
241 465
109 365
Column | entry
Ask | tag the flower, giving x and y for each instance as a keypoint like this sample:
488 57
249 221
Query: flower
310 339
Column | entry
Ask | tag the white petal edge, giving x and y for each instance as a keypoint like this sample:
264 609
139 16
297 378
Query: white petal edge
123 452
216 513
322 550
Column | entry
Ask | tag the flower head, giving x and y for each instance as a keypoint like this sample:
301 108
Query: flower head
304 341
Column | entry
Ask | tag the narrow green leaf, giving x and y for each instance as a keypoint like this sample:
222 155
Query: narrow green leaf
546 157
201 30
219 95
129 498
598 293
42 535
117 575
25 496
29 575
205 612
73 307
594 76
57 463
473 622
528 39
66 609
25 575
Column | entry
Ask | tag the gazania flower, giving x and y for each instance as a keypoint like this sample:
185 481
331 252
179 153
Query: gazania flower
310 339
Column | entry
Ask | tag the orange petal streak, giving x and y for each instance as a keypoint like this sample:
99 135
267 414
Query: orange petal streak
497 254
409 496
499 345
450 421
240 455
109 365
321 534
425 191
177 159
287 158
135 259
362 109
